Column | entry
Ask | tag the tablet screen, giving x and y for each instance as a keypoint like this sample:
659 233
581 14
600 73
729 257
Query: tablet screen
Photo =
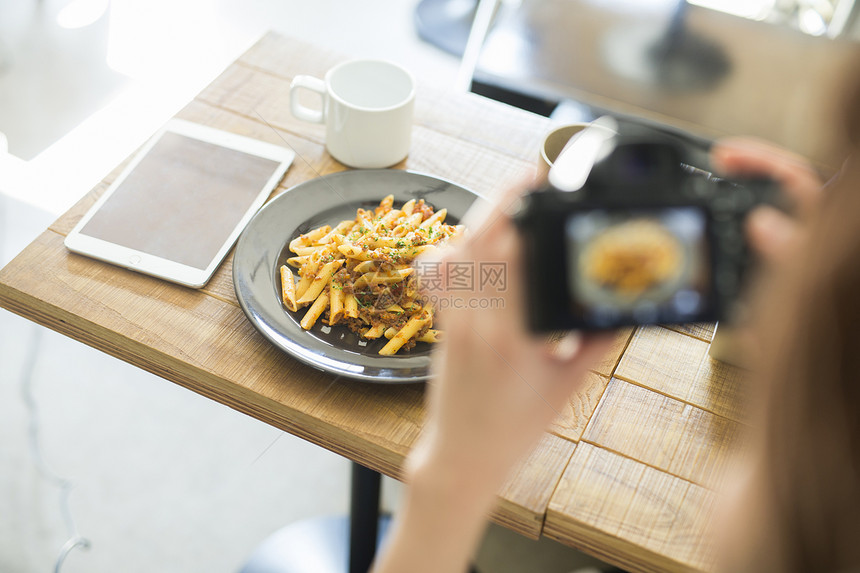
183 200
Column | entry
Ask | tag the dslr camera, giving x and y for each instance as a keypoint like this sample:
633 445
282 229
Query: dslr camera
628 232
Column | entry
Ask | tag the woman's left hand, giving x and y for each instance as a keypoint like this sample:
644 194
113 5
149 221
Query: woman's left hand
495 390
497 386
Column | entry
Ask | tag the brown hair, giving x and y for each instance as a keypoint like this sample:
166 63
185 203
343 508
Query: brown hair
808 461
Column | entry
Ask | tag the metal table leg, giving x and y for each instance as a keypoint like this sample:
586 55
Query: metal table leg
363 517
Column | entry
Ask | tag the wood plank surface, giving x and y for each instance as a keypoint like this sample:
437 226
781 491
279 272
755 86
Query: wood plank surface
526 493
626 470
640 487
679 366
701 330
607 365
672 436
630 514
574 417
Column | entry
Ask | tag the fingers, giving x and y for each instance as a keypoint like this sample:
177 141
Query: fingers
483 304
483 215
742 156
573 357
566 348
490 234
772 234
575 345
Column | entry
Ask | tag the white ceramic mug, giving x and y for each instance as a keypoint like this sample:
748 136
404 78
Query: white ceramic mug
367 111
554 143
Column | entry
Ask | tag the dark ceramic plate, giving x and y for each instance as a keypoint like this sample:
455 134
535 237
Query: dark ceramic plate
263 248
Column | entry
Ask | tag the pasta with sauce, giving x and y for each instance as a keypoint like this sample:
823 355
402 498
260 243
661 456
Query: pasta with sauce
360 273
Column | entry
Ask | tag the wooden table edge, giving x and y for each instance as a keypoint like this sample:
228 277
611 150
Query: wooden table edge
623 554
189 377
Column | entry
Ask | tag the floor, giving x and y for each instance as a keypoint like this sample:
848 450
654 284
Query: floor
161 479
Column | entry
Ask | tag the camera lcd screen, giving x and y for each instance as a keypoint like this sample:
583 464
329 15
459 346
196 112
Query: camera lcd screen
638 265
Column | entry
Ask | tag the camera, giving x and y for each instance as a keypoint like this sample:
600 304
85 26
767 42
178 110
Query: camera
628 231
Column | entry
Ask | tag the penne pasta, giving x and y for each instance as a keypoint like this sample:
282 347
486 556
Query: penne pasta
288 288
385 205
354 251
350 306
307 274
389 218
377 278
374 331
307 251
297 262
309 238
359 273
375 242
412 222
366 267
336 297
437 217
341 229
431 336
320 281
410 329
315 311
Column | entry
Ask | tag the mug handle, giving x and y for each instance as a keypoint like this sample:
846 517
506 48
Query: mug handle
303 112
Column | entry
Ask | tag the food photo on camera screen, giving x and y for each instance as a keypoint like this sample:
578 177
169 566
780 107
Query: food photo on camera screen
629 231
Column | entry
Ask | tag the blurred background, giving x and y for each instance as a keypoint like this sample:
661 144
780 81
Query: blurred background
164 480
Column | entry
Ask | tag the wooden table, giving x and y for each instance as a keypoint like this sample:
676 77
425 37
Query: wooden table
626 473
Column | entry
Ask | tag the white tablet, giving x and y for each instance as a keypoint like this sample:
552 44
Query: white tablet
181 203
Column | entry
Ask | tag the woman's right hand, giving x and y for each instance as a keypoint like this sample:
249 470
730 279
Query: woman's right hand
773 234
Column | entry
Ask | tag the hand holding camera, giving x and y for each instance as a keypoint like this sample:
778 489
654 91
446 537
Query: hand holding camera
629 231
